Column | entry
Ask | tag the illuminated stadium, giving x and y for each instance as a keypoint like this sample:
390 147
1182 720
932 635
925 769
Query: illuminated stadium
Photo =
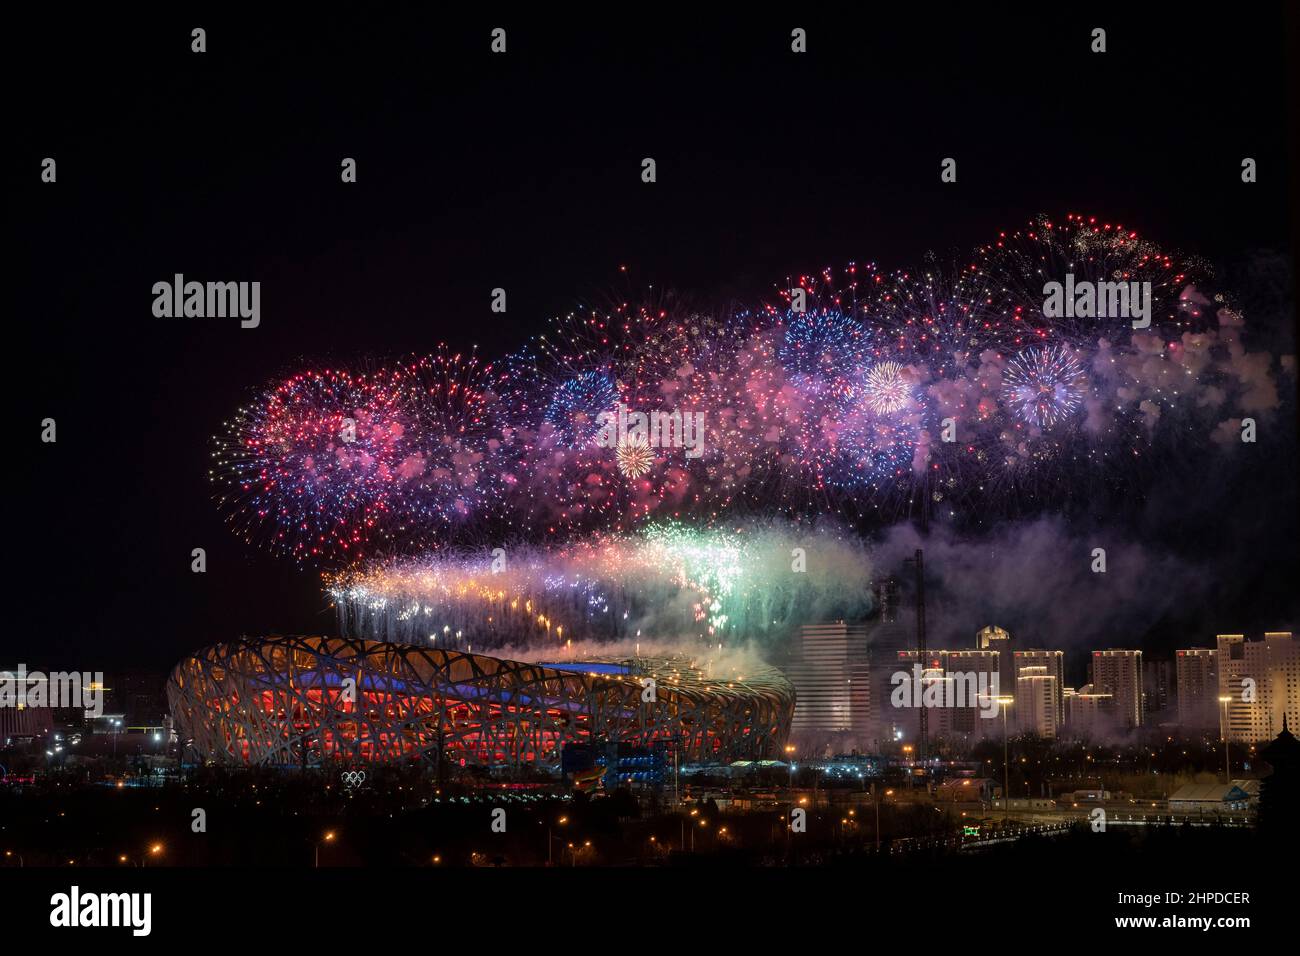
318 700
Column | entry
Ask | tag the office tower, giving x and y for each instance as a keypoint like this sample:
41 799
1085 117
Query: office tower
831 680
1261 678
1197 688
1119 673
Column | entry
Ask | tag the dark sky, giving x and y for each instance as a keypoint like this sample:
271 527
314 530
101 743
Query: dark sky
522 171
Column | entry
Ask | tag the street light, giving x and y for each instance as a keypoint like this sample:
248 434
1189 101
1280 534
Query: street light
875 800
1223 732
1004 703
560 822
327 837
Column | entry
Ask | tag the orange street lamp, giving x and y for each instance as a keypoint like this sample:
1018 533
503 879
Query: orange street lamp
326 837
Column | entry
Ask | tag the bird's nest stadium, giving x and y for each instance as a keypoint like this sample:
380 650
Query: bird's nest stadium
312 701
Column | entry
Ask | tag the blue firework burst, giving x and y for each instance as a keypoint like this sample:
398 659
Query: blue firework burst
575 407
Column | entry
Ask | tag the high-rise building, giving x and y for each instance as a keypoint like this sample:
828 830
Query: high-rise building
1197 687
831 678
1036 696
968 679
1157 690
1119 673
1054 662
141 696
986 665
891 632
1261 679
992 637
1088 713
935 681
18 718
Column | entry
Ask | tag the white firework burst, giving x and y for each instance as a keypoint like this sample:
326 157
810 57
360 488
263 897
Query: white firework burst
886 387
1044 386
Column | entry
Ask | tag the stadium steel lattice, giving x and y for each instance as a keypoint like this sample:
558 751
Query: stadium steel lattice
314 700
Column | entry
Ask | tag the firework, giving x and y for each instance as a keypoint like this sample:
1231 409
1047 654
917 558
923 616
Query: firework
1044 385
943 390
885 388
634 458
326 465
576 405
822 344
667 582
1021 262
308 467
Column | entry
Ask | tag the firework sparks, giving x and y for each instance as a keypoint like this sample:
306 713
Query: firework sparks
1044 386
576 406
665 582
635 457
886 388
836 410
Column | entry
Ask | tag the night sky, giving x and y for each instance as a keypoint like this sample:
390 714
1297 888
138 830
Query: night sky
522 171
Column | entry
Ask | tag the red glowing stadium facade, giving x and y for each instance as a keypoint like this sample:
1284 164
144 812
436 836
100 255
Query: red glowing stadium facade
325 700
